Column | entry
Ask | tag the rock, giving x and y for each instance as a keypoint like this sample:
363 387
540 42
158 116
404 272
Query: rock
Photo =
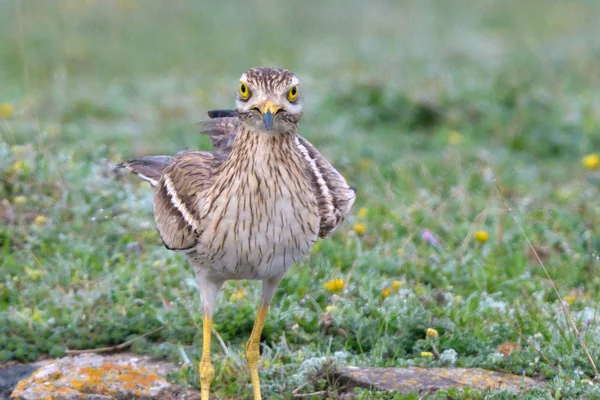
95 377
11 375
408 380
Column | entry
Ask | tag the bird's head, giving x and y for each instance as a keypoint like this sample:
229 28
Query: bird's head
269 100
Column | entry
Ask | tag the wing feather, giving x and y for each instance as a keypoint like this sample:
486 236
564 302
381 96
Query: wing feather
221 113
148 168
178 202
334 196
222 133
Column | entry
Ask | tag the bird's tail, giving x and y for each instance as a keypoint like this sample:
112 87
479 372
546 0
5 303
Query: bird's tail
149 168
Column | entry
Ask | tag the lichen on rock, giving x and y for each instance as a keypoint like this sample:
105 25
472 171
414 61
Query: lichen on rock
94 377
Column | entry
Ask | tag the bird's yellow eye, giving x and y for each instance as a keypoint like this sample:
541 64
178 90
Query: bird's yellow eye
293 93
244 92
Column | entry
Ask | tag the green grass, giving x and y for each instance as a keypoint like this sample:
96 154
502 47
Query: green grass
387 84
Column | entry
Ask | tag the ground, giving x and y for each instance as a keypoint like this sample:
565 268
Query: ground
469 128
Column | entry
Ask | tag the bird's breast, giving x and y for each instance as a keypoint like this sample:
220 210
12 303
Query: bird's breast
262 219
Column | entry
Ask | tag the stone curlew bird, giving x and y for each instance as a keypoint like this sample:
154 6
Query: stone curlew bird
254 206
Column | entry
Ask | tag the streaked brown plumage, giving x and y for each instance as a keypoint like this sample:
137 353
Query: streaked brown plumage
254 206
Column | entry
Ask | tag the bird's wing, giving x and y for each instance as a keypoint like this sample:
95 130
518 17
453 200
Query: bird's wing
221 129
222 113
148 168
180 181
334 196
179 199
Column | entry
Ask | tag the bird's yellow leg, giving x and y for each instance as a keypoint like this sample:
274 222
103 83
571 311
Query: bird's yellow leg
253 347
207 372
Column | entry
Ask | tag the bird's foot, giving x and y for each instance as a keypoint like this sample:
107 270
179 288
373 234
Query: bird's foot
252 357
207 373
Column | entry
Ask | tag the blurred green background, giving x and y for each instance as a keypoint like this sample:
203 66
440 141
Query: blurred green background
451 117
189 54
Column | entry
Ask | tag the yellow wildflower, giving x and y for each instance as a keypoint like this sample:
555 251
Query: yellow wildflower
36 316
363 212
18 200
6 110
420 290
33 274
432 333
426 354
385 292
237 295
481 236
40 220
316 247
570 299
454 138
396 285
18 166
359 228
335 285
591 161
330 309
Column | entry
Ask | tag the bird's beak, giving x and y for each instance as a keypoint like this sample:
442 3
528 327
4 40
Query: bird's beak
268 111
